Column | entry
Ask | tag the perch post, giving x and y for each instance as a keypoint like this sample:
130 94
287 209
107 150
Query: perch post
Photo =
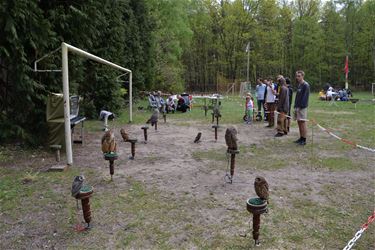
132 142
111 157
84 195
232 153
145 133
256 206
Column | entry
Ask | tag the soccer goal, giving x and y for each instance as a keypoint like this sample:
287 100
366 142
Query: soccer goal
65 48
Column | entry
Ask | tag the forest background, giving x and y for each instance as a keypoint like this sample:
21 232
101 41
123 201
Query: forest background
173 46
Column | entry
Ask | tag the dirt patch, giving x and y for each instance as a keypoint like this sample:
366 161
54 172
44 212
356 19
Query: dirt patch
167 164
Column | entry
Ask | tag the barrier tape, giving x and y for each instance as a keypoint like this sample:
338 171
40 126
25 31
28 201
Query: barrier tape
346 141
329 131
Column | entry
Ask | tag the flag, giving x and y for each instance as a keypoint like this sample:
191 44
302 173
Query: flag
346 67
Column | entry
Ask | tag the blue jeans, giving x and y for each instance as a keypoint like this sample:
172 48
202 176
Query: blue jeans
260 106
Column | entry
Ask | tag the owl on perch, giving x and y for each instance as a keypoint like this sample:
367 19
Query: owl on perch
231 138
216 111
124 135
108 142
154 118
77 185
261 188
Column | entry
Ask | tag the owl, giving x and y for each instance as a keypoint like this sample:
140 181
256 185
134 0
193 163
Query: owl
198 137
261 188
231 138
124 135
216 111
154 118
108 142
77 185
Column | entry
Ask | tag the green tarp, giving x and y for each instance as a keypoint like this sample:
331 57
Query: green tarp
55 119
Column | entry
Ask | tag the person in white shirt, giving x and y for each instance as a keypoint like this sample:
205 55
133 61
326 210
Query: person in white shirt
270 97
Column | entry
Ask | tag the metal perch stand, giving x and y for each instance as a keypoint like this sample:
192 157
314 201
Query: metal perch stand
111 158
145 133
256 206
84 195
132 141
215 127
232 153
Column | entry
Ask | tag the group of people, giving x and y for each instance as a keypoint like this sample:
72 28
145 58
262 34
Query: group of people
329 93
156 101
276 96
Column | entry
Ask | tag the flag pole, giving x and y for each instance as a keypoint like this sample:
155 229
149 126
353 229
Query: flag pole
248 61
346 72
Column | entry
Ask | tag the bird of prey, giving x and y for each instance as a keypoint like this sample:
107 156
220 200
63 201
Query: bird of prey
261 188
198 137
108 142
231 138
124 135
216 111
77 185
154 118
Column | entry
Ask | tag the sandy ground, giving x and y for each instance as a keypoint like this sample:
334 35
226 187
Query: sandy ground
166 163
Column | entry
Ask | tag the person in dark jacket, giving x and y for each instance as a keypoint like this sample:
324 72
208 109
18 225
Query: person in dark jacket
282 108
300 106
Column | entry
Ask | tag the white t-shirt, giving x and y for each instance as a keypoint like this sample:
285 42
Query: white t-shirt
270 97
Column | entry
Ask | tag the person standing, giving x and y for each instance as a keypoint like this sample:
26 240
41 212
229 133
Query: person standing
300 106
290 93
282 108
260 89
249 109
270 103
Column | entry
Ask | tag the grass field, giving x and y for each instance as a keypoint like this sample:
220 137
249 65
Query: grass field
320 194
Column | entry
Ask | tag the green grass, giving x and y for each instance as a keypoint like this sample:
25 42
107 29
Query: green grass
355 124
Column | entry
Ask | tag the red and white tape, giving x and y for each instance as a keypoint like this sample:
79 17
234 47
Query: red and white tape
343 139
333 135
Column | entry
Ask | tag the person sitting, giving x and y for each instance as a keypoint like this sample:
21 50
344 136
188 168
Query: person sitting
160 103
152 103
181 104
171 106
343 95
331 94
322 96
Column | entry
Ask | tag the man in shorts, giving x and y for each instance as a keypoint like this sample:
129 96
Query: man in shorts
300 106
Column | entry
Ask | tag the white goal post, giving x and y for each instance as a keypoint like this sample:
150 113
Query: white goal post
65 48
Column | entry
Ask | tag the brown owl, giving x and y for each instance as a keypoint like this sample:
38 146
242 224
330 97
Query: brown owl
124 135
154 118
216 111
261 188
198 137
108 142
231 137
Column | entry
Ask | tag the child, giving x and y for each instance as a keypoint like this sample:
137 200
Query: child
249 109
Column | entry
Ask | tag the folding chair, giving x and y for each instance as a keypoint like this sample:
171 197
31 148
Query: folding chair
75 119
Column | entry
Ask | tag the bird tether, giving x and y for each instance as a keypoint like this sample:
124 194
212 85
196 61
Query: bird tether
227 177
